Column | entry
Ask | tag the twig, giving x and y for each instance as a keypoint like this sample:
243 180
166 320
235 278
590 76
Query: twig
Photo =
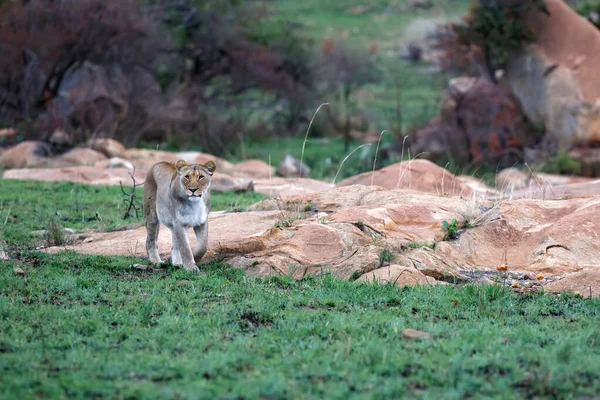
130 198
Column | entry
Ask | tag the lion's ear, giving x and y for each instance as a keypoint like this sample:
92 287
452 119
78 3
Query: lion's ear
211 167
180 164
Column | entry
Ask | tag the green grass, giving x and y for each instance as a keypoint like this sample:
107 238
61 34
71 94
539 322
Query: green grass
27 206
84 327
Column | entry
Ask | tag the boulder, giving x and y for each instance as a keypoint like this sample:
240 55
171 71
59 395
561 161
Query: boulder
25 154
479 123
555 78
511 179
292 167
144 159
225 183
277 186
429 142
422 175
114 162
109 147
585 283
82 174
397 275
256 169
77 156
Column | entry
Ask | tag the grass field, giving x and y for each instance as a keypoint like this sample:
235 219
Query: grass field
76 326
91 327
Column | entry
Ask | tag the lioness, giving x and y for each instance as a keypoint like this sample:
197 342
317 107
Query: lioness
178 196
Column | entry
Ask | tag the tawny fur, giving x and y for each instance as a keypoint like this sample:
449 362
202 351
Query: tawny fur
178 196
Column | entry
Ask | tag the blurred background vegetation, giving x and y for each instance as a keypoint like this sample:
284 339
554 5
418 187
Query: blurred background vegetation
243 78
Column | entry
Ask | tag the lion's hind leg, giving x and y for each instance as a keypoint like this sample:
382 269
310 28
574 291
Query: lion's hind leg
201 241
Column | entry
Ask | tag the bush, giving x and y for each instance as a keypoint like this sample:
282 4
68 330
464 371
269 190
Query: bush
41 41
491 32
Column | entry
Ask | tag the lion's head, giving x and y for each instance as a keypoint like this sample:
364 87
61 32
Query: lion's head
195 178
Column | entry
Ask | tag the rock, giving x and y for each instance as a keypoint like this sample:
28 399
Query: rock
109 147
114 162
256 169
398 275
555 79
422 175
90 175
25 154
545 191
551 238
77 156
292 167
225 183
139 267
414 334
585 283
18 271
429 142
277 186
480 122
144 159
530 237
3 255
511 179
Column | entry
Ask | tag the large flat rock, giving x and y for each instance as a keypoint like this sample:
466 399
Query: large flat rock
345 230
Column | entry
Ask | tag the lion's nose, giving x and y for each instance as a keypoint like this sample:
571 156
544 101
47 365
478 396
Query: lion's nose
193 190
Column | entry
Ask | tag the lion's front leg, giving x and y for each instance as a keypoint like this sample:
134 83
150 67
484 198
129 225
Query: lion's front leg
182 253
201 241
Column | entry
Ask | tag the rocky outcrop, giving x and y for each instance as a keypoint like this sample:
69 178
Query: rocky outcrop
555 78
370 233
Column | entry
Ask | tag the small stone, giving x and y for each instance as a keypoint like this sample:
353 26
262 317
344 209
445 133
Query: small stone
19 271
139 267
540 277
516 285
414 334
3 256
501 267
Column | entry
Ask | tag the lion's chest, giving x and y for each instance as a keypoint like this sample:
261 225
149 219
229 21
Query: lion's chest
192 214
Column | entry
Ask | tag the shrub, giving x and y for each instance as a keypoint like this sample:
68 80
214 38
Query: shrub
491 32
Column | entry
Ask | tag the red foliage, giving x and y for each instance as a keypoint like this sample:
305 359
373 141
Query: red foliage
41 40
